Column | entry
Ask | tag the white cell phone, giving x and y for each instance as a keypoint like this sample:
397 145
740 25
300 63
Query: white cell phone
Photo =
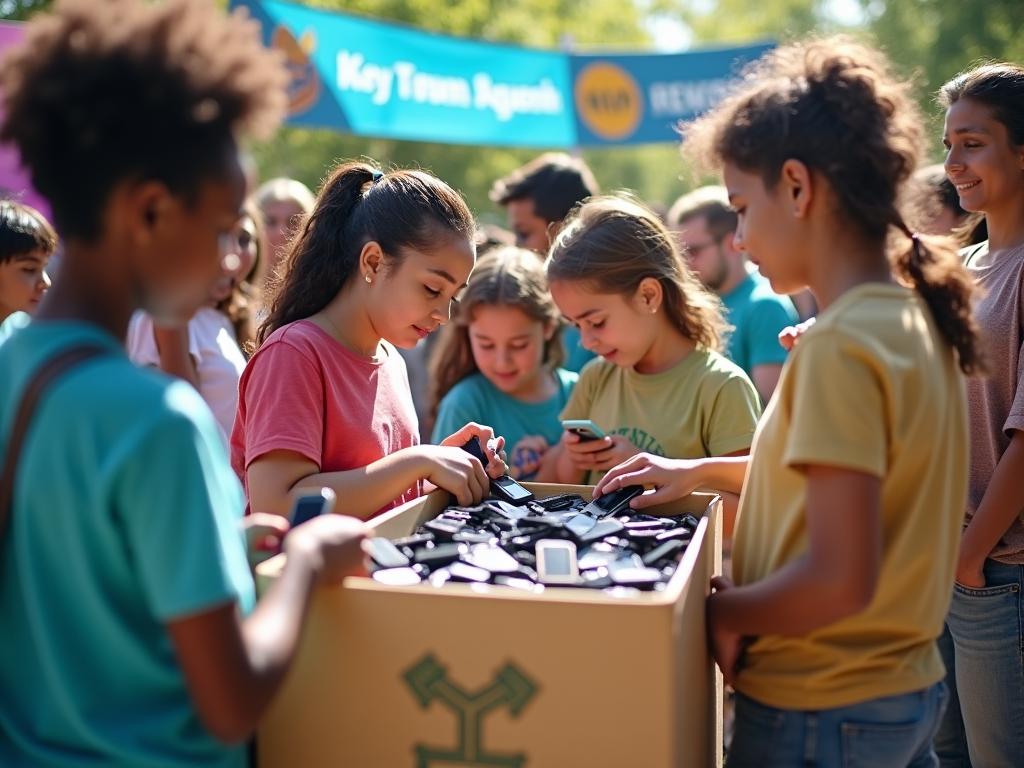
585 428
556 562
309 504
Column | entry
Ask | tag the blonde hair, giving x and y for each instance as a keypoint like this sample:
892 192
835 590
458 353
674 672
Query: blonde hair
615 242
505 276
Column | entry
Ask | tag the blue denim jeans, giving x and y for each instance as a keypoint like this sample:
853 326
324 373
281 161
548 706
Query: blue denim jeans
893 732
983 649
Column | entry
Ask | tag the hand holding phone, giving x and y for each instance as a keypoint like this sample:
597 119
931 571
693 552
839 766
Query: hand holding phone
585 429
504 487
310 503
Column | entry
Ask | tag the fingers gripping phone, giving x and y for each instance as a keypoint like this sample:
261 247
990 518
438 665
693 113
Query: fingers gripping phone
584 428
504 487
309 504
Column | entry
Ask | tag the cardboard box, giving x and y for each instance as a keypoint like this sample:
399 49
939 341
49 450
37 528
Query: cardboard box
478 675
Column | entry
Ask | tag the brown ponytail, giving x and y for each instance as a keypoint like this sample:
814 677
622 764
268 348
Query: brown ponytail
356 205
833 105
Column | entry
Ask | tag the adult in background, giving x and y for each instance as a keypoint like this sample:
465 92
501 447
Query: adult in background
284 202
705 224
537 198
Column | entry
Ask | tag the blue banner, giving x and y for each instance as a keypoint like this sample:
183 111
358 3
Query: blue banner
389 81
640 98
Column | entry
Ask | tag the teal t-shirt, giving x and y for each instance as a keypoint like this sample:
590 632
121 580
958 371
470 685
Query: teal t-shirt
576 356
13 322
759 315
125 518
476 399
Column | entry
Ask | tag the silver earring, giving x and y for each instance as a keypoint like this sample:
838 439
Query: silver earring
368 279
653 310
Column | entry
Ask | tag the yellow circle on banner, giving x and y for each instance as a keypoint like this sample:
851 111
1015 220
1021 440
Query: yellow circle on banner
608 101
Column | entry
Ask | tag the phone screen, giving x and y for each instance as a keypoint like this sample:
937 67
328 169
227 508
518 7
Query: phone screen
512 488
306 508
556 562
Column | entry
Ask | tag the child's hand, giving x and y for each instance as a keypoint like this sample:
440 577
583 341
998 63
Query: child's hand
672 479
263 536
791 334
335 541
526 456
457 472
600 454
726 646
493 446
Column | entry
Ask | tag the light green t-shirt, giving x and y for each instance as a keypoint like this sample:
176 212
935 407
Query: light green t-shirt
704 406
125 518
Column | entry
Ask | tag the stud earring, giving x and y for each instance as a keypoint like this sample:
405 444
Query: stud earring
368 279
653 310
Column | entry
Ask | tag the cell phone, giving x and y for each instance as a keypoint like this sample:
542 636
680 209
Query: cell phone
504 487
556 562
585 428
309 504
384 553
614 502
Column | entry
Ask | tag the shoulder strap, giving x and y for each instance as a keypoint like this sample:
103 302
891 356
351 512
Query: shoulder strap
48 372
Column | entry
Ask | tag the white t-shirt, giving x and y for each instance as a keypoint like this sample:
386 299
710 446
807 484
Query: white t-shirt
214 348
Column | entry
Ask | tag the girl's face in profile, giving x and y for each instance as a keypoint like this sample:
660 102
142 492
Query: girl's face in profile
765 229
413 298
986 169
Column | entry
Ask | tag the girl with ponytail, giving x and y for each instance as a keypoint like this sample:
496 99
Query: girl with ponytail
849 522
325 401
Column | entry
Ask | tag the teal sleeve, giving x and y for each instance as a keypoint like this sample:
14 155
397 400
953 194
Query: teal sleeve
178 504
765 321
459 407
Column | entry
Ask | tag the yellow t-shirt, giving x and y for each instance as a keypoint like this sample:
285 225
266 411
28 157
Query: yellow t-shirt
871 387
704 406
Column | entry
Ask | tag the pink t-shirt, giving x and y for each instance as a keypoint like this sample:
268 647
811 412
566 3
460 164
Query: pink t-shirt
304 392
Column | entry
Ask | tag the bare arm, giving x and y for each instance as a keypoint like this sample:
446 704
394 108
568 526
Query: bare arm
675 478
766 378
233 667
274 476
175 359
835 579
1000 506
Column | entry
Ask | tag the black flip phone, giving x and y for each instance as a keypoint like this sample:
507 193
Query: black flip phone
504 488
614 502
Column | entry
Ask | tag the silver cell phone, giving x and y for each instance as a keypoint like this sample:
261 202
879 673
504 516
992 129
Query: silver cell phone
556 562
309 504
585 428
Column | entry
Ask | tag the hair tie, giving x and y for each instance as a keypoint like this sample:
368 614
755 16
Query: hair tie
377 176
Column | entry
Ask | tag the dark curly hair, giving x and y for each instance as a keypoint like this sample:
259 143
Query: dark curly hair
833 105
102 91
359 204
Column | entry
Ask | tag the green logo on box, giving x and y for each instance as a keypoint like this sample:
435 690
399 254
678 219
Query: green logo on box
429 680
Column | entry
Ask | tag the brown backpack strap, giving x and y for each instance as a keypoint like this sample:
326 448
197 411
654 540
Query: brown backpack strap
48 372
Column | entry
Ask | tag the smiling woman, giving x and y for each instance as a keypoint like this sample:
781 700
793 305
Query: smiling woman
325 401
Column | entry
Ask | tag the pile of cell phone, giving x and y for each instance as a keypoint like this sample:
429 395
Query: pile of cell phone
558 541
